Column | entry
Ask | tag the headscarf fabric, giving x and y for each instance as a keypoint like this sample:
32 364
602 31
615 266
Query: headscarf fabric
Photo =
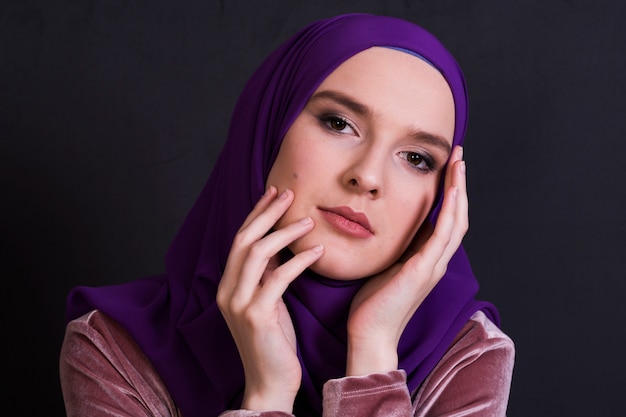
174 317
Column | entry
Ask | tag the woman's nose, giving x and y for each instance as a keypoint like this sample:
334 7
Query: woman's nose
365 173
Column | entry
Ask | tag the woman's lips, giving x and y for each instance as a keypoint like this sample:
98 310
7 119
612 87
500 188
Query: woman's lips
348 221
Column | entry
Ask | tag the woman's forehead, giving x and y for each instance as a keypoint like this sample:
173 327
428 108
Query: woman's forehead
385 82
379 61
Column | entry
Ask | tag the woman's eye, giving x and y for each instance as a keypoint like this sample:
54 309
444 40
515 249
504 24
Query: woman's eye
338 124
417 160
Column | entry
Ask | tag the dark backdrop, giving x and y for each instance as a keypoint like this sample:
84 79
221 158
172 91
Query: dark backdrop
113 111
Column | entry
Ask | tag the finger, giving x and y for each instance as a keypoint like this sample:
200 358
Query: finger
261 205
457 155
430 255
260 254
461 218
258 224
442 232
267 200
426 229
276 283
239 249
451 179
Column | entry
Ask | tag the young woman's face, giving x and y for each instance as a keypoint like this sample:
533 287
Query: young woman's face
364 160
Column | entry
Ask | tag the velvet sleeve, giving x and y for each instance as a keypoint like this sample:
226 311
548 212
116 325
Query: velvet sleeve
472 379
248 413
104 373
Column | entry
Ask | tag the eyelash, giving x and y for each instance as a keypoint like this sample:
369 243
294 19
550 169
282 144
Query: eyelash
328 119
424 159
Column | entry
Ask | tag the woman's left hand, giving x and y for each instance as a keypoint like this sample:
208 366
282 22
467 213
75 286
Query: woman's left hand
382 308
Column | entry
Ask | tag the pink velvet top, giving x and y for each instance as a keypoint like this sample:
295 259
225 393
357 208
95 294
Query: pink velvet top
104 373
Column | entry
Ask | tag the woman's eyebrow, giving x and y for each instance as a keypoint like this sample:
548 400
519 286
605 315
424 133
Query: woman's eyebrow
362 110
342 99
432 139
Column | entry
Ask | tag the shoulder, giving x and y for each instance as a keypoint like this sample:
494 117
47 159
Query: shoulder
99 332
101 366
481 333
95 336
96 324
480 346
479 340
477 369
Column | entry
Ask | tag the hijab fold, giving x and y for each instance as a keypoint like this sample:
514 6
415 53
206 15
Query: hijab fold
174 317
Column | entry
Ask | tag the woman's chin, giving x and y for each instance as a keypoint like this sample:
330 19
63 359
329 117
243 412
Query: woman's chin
344 269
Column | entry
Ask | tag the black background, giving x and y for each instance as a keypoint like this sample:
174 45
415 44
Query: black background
113 111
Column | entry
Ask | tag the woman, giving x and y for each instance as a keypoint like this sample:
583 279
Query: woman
320 272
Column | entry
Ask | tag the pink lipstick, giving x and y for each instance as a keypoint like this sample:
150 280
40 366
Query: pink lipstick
348 221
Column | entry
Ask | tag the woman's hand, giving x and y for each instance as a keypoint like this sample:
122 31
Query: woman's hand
250 299
382 308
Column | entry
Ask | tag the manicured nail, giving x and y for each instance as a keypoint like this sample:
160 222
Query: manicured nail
306 220
283 195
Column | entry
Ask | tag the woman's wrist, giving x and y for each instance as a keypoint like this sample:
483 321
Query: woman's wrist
366 358
263 401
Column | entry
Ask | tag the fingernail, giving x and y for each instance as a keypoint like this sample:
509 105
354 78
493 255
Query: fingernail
283 195
268 190
460 152
455 191
306 220
318 249
463 167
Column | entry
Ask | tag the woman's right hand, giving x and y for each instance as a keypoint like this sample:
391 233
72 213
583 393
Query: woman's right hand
250 299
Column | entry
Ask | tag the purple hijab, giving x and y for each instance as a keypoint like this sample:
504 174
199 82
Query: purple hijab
174 317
